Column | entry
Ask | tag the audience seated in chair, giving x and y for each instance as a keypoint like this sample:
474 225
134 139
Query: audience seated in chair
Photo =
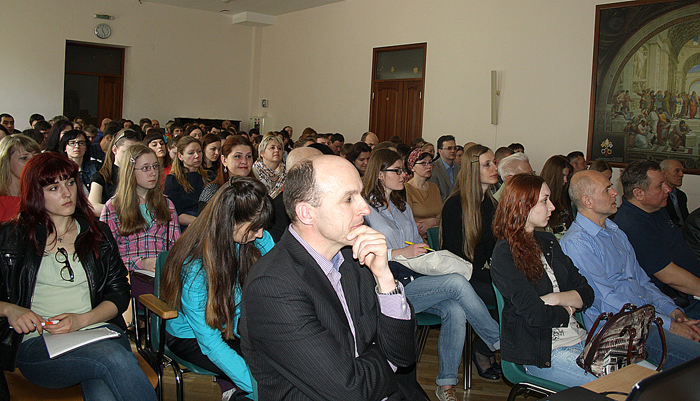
315 324
204 274
604 255
658 244
541 287
450 296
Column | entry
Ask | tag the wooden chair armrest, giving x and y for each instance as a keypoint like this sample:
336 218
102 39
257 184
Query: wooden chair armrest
157 306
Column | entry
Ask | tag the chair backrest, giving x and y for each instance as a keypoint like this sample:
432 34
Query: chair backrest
514 372
434 237
155 325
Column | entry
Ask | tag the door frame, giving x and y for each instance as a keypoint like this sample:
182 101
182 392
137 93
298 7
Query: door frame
373 106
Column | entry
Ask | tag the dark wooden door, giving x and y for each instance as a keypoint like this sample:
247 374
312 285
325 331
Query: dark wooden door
397 109
412 110
396 106
94 82
109 98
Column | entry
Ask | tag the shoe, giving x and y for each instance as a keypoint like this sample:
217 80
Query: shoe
496 365
446 395
228 395
489 374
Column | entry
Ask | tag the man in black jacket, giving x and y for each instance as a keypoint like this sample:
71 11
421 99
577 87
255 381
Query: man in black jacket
318 322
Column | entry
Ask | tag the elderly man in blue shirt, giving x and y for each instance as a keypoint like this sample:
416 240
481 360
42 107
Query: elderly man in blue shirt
606 258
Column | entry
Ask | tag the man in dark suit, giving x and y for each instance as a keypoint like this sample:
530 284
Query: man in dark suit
315 323
445 169
677 205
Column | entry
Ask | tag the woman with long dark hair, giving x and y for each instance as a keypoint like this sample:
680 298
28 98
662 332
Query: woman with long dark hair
236 161
359 156
541 287
211 144
557 172
58 129
204 274
58 263
450 295
156 141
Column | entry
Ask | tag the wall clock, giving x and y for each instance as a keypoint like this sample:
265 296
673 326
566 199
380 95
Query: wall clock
103 31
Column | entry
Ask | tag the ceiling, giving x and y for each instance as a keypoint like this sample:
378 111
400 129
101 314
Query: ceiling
269 7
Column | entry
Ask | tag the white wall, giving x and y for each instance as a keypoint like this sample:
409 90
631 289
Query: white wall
314 66
179 62
316 69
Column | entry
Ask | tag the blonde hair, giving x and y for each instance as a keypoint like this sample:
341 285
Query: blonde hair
270 136
8 146
468 188
126 200
180 171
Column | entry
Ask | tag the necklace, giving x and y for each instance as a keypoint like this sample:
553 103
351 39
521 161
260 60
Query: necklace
60 237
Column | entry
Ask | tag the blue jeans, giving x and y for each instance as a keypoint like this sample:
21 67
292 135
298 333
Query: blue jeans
106 370
692 310
453 299
564 369
678 348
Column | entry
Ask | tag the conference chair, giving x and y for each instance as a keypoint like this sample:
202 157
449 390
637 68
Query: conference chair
523 383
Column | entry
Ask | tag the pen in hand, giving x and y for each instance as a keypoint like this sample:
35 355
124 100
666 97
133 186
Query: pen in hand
428 248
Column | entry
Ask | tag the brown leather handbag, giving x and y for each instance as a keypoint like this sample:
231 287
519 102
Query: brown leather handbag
621 341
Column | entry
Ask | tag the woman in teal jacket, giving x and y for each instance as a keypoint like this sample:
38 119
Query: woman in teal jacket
204 274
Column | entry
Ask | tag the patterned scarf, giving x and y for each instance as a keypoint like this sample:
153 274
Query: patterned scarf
273 180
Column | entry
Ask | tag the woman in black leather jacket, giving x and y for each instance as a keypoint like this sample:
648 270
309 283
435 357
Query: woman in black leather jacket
540 285
60 271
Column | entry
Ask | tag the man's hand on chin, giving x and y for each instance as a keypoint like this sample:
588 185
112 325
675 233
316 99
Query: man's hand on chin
369 248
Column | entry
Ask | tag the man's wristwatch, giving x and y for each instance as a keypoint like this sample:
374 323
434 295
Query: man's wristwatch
395 291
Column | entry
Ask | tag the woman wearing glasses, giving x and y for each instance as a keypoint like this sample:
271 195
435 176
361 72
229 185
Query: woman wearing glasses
74 144
421 195
449 296
204 274
58 263
142 220
104 182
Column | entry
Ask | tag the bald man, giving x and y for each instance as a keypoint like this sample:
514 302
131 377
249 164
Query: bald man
370 138
604 255
281 221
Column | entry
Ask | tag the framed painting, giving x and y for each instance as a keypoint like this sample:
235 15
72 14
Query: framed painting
646 83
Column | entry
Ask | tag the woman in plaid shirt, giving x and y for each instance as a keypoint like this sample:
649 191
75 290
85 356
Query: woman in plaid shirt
141 218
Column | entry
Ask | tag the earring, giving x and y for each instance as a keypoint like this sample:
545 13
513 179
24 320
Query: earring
225 170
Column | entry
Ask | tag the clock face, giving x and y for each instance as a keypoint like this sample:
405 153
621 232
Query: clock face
103 31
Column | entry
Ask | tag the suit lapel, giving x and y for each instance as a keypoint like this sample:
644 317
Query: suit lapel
312 274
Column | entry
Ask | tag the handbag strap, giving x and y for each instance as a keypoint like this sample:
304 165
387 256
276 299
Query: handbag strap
600 317
659 325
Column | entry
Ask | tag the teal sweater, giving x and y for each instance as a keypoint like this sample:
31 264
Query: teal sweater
191 322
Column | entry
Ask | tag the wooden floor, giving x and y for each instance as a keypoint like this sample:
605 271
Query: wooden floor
202 388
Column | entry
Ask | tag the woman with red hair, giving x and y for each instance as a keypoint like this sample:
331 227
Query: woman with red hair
541 287
60 272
